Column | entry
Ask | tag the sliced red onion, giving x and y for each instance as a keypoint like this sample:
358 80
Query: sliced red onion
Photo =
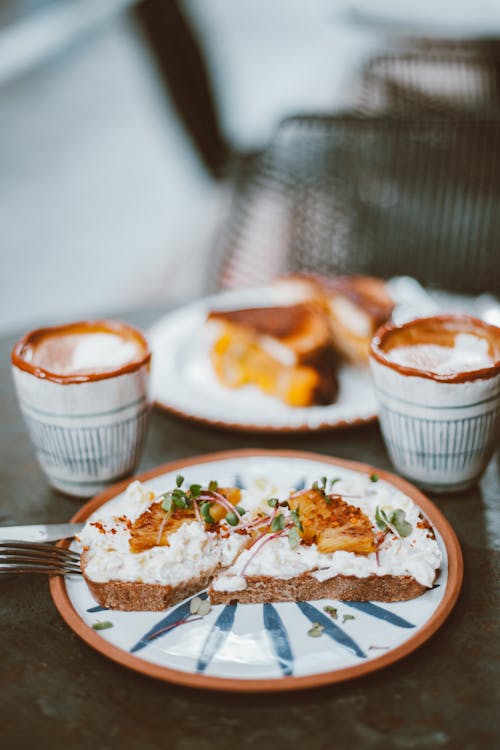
197 512
267 538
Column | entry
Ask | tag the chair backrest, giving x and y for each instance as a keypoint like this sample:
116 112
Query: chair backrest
433 77
347 194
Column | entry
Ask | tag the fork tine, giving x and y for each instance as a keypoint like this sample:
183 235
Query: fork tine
37 559
38 548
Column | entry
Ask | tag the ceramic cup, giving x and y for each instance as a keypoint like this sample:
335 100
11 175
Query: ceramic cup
87 424
440 429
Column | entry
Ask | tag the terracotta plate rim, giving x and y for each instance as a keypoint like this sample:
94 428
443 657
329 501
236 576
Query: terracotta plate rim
453 585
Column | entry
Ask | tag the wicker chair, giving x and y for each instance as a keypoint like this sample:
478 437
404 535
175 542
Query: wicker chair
353 194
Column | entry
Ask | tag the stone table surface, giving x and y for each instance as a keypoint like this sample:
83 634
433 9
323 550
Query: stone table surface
55 691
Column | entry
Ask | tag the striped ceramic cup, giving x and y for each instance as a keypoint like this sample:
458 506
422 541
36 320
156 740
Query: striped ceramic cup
438 385
83 392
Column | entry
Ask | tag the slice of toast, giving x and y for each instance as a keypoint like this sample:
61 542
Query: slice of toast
327 547
309 545
356 306
285 351
121 553
304 587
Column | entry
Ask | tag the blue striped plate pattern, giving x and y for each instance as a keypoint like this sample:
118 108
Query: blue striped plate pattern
260 641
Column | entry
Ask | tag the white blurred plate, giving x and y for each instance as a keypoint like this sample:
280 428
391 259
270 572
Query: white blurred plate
184 383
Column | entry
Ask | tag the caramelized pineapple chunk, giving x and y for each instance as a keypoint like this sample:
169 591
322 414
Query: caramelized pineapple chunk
332 523
147 530
150 530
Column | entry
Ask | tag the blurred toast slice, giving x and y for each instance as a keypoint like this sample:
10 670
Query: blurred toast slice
356 306
285 351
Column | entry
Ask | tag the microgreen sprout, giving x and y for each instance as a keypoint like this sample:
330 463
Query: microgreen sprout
179 480
205 512
394 520
102 625
331 611
296 520
345 618
166 501
273 502
293 538
232 518
278 523
374 477
316 630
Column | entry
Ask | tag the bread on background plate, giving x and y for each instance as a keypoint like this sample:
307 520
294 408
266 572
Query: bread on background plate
356 306
286 352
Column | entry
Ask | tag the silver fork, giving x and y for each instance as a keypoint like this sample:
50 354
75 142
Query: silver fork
32 557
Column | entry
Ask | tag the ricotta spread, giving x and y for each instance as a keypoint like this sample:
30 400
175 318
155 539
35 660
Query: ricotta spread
193 550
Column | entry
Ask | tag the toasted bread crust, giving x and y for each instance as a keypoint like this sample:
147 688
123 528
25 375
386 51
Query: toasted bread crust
265 589
287 323
367 292
132 596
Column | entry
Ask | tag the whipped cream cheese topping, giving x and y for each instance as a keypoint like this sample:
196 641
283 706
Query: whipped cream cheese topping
193 550
417 555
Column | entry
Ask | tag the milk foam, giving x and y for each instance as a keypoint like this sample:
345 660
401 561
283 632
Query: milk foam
468 353
68 354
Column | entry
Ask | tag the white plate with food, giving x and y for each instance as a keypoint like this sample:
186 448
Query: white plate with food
318 570
271 359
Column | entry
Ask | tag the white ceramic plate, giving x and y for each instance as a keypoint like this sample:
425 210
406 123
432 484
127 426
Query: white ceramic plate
264 647
184 383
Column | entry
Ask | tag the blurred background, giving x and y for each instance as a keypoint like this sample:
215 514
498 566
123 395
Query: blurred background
154 150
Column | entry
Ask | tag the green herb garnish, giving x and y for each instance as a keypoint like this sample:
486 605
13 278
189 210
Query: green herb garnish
167 501
374 477
195 490
402 526
179 499
395 521
345 618
179 480
278 523
334 481
213 485
331 611
296 520
205 512
273 502
316 630
321 487
293 538
232 518
102 625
